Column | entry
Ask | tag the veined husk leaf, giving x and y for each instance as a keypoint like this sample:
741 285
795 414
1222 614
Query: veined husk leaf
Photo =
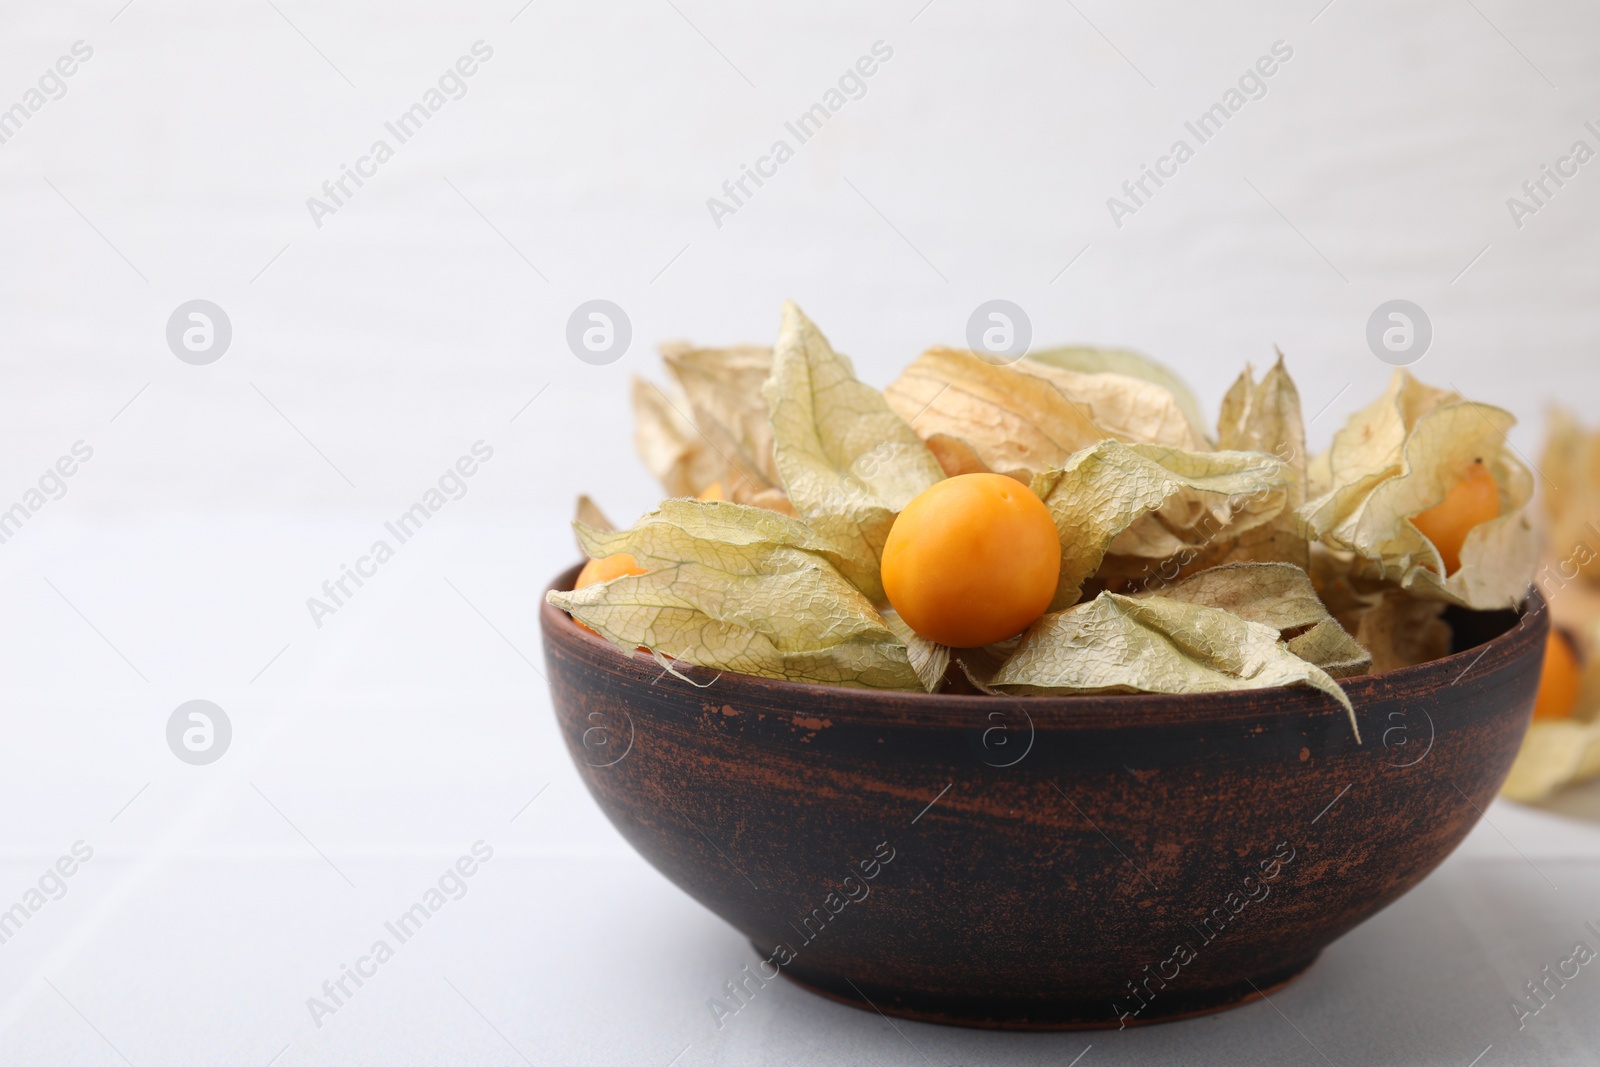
1402 630
1571 465
1331 573
771 499
711 425
1399 457
669 445
955 456
1394 627
1553 754
738 588
1498 557
1027 417
928 658
1330 646
723 388
589 514
1265 417
849 463
1279 595
1101 491
1153 644
1088 359
1193 529
677 530
1368 449
1562 752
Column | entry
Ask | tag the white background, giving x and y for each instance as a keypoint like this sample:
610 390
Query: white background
372 351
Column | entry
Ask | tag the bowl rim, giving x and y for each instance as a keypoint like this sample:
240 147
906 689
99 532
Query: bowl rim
1500 651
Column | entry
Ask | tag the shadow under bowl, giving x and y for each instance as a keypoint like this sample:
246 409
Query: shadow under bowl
1043 862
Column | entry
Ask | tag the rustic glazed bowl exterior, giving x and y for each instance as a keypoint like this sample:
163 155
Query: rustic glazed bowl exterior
1043 862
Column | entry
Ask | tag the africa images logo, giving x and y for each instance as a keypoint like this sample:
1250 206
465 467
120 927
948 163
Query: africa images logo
852 85
52 85
452 485
1252 85
451 85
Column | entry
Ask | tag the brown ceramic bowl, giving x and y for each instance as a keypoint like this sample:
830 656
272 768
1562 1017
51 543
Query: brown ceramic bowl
1043 862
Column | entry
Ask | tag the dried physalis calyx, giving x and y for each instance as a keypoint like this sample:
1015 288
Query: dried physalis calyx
709 435
1060 524
1571 467
1423 489
1473 500
1028 417
1562 745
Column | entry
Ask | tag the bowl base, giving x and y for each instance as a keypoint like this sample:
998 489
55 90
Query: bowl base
998 1013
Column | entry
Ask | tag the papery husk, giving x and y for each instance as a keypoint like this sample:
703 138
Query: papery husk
1193 530
1559 753
1265 417
667 442
1027 417
1573 601
928 658
1330 646
1571 466
679 529
737 588
711 425
1279 595
1154 644
1332 575
849 463
955 456
1553 755
1395 627
723 387
1253 565
1099 494
1090 359
1402 630
1369 449
771 500
1206 532
588 513
1400 456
